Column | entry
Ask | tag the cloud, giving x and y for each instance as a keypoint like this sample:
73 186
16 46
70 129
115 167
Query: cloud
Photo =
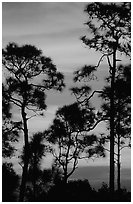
38 17
55 28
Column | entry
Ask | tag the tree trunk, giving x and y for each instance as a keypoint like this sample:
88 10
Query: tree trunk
65 180
34 178
112 116
26 158
65 176
118 178
118 164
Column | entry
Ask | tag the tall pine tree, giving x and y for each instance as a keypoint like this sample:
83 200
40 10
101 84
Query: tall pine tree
30 74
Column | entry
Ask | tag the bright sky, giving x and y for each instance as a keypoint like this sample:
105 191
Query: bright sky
55 28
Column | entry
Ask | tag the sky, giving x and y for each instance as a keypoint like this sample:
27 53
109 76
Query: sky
55 28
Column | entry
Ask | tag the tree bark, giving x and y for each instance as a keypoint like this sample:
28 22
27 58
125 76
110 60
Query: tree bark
65 179
34 177
118 179
112 116
65 175
118 164
26 158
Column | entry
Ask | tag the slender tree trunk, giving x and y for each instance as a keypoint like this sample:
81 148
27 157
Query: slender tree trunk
118 176
112 116
118 164
65 176
65 180
34 179
26 158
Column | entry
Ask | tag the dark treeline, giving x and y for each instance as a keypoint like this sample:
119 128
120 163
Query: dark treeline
50 188
29 75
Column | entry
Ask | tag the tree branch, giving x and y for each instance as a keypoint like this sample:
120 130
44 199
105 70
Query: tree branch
100 60
97 122
87 99
74 167
30 117
12 101
124 147
109 62
16 100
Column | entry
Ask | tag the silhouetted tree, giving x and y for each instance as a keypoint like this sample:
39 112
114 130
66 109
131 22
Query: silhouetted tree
10 183
36 152
122 101
30 75
109 32
10 128
47 179
71 139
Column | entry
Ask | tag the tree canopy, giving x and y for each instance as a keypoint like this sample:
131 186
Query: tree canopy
30 74
25 63
109 32
71 138
109 23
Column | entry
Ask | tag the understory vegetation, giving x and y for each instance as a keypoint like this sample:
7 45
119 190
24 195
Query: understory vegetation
51 188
